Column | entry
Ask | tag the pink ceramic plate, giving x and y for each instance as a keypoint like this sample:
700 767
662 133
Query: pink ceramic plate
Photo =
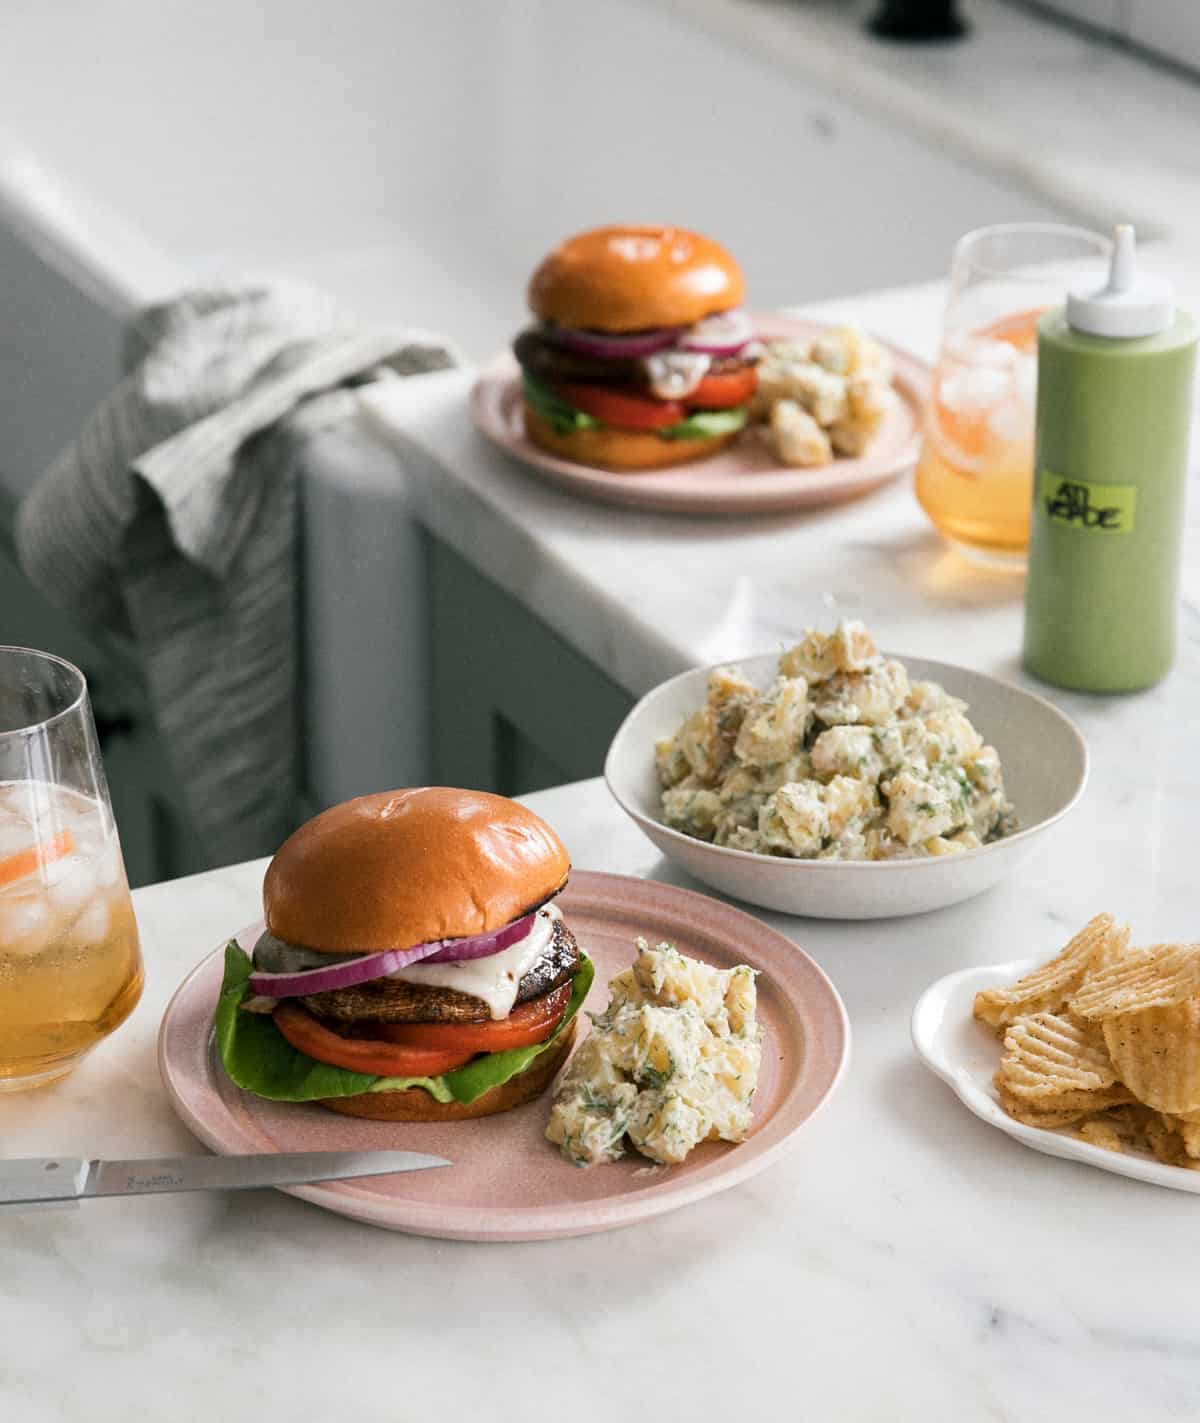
507 1181
744 478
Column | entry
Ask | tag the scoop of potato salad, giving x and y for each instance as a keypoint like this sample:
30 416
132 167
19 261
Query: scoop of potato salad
671 1062
820 399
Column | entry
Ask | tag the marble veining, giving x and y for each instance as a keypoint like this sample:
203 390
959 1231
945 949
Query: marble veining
905 1262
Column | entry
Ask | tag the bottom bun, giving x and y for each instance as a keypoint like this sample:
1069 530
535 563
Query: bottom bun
416 1105
621 450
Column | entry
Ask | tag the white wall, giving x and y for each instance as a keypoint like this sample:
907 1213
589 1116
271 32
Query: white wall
420 158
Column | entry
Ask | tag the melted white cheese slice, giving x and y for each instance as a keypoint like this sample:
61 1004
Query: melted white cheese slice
494 979
675 374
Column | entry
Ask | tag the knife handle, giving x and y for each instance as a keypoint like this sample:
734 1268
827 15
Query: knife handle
42 1181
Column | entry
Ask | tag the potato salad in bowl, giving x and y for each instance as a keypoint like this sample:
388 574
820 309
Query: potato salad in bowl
835 780
841 757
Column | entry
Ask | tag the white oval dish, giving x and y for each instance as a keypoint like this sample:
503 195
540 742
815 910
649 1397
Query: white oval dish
965 1054
1042 753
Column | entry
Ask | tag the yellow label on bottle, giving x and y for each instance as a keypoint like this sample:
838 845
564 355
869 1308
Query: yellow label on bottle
1094 508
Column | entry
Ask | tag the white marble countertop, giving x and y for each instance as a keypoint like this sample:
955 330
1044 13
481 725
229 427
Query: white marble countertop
904 1262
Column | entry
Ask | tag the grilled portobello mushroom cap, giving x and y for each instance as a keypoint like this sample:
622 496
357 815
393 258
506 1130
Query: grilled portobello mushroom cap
546 361
388 1000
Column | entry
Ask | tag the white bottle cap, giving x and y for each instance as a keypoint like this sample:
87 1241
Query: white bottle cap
1132 303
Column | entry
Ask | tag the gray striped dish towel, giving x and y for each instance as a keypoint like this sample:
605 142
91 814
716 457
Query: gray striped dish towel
172 520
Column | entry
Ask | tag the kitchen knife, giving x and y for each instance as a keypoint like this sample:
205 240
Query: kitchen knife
47 1180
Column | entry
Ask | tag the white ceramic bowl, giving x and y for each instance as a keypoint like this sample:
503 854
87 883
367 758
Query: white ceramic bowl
1042 754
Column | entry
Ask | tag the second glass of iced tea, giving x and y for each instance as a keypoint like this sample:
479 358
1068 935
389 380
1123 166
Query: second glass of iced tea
70 963
975 475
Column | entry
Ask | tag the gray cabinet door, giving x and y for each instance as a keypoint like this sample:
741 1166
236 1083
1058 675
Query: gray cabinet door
515 707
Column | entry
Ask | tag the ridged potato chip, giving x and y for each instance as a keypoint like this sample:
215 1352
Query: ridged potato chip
1060 1114
1021 1111
1047 1055
1073 1103
1189 1134
1121 1128
1047 989
1125 1126
1156 1053
1165 1142
1158 977
1106 1040
1099 1131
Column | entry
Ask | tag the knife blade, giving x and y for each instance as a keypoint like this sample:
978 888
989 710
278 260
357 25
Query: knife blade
45 1180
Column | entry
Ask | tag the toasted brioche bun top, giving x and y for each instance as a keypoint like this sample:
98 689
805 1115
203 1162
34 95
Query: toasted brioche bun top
635 278
403 867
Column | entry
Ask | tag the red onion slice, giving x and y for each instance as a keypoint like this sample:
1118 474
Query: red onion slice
721 335
346 974
605 344
351 972
481 946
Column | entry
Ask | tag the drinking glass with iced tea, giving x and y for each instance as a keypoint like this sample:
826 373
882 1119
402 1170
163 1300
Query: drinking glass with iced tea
70 963
975 475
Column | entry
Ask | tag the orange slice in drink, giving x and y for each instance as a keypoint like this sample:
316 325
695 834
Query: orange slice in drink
1018 329
28 862
966 432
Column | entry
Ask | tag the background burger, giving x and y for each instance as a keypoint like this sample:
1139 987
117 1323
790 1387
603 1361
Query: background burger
413 967
640 357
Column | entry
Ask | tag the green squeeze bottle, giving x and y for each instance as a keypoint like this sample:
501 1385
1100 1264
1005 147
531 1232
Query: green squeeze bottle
1114 406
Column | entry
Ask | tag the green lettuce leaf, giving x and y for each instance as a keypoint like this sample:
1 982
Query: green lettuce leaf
562 417
701 424
260 1059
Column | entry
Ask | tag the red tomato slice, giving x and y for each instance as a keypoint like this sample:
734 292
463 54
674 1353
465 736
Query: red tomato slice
724 390
531 1022
621 407
308 1035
